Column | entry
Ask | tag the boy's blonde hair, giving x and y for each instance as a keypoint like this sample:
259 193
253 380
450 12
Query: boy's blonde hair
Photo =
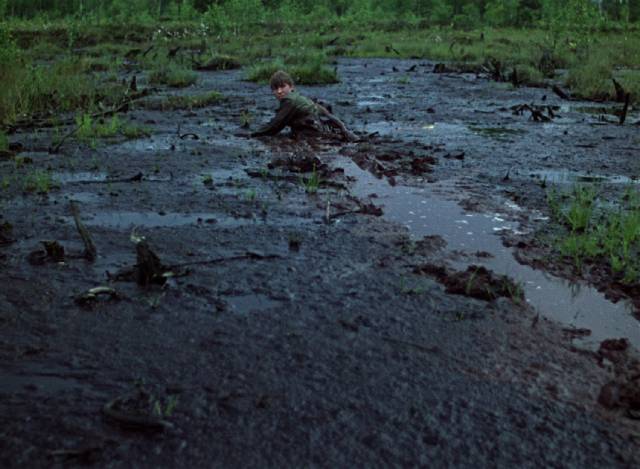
280 78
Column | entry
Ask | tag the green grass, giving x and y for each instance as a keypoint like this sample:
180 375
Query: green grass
312 183
215 61
183 102
592 232
173 75
304 68
56 67
39 181
4 141
89 130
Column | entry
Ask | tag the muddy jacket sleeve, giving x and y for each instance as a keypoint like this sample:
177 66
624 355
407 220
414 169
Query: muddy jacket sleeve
282 118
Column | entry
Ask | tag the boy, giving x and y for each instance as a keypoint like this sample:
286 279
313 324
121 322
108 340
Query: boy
300 113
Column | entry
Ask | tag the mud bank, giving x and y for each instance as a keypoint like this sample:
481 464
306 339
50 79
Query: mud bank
294 324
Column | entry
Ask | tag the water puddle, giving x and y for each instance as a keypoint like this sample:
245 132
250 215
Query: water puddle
246 304
124 220
84 197
147 144
596 109
372 101
452 131
497 133
571 177
426 212
77 176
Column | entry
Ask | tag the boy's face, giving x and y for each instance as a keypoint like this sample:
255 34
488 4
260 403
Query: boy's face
282 91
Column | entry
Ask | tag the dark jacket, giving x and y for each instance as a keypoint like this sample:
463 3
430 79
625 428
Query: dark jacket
295 111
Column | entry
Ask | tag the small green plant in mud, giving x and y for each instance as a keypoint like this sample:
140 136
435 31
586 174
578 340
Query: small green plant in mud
165 409
39 181
245 119
407 289
312 183
592 233
514 289
207 180
251 195
132 132
404 80
20 161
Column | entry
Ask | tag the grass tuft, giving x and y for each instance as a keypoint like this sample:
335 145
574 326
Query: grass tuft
173 75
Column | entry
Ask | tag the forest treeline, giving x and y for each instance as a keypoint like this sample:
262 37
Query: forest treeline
457 13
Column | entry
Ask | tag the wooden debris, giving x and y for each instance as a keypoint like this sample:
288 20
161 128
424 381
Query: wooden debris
390 48
53 252
90 251
135 412
557 90
90 296
536 112
625 109
620 92
250 255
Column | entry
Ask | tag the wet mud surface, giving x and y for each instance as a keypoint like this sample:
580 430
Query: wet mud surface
362 312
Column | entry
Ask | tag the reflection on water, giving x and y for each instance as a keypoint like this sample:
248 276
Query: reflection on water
425 212
570 177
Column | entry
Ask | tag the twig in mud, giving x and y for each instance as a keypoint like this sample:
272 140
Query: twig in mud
132 419
189 134
557 90
220 260
135 178
64 139
147 50
620 92
89 248
625 109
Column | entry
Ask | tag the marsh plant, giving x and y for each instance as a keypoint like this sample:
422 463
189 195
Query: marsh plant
4 141
39 181
90 129
592 231
312 183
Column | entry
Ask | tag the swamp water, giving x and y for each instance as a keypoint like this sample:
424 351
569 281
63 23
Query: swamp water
426 212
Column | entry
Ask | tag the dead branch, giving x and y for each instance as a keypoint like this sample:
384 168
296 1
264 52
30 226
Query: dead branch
620 92
89 248
557 90
625 109
220 260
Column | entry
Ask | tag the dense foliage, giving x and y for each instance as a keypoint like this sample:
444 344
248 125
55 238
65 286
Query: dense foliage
460 13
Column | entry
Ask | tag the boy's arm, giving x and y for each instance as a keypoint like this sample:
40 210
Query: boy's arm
337 122
279 122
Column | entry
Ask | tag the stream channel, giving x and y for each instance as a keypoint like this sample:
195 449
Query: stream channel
433 210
